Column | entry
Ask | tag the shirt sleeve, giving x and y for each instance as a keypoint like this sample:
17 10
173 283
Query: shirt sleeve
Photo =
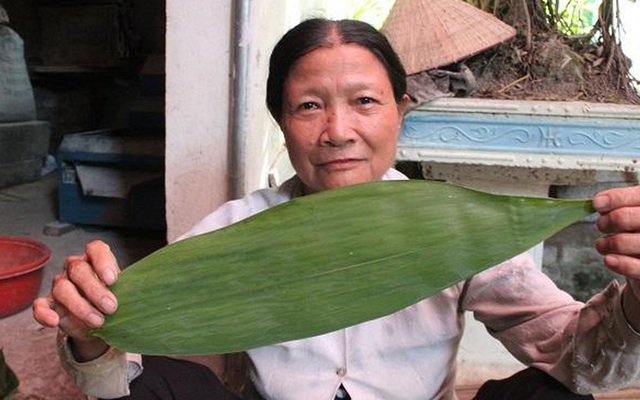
588 347
106 377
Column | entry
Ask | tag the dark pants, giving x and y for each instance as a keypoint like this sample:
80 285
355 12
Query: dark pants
169 379
528 384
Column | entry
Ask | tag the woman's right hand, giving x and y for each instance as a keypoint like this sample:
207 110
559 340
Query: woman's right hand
80 298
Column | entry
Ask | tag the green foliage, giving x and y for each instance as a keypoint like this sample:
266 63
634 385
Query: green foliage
372 11
574 17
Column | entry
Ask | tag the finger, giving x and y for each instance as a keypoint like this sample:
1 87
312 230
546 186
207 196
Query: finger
87 283
623 243
625 219
623 265
611 199
51 315
67 295
100 256
44 313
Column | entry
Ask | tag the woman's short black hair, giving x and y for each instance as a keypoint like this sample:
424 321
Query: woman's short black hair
319 32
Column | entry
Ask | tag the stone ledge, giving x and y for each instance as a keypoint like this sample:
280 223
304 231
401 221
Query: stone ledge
561 135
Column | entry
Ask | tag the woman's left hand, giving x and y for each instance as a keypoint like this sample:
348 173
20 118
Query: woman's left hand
619 221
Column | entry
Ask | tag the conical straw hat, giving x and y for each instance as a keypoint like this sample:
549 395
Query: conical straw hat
428 34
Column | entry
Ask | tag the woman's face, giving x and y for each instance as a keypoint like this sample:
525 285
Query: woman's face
340 118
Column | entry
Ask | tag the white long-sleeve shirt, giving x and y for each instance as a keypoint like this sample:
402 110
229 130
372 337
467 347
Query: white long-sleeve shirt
411 354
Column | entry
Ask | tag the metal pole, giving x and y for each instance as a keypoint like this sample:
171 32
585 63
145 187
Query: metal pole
239 95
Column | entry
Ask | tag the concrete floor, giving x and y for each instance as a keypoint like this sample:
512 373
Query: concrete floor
29 349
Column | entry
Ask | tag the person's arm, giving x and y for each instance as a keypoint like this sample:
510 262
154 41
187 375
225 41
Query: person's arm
80 297
107 376
92 363
78 301
588 347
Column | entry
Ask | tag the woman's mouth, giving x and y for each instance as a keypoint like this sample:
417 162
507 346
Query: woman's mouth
341 164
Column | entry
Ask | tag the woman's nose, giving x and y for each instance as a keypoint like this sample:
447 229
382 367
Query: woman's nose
337 130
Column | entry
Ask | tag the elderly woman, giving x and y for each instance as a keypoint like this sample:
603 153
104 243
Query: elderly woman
337 90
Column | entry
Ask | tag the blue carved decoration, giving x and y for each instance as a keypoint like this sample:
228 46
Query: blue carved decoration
521 133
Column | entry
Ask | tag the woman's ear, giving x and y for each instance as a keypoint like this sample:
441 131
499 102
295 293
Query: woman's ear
403 104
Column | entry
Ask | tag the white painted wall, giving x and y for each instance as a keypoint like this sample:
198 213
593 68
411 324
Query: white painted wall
197 109
198 104
268 21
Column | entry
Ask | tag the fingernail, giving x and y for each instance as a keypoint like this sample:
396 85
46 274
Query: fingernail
601 203
95 319
109 277
612 261
108 304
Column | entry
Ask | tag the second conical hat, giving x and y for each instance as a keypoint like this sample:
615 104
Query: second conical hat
428 34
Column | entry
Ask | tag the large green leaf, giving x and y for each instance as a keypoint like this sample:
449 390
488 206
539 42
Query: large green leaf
320 263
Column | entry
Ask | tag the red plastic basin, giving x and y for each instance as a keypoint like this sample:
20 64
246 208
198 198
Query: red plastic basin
21 269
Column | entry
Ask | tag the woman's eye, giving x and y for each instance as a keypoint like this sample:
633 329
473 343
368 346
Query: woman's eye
366 100
309 105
